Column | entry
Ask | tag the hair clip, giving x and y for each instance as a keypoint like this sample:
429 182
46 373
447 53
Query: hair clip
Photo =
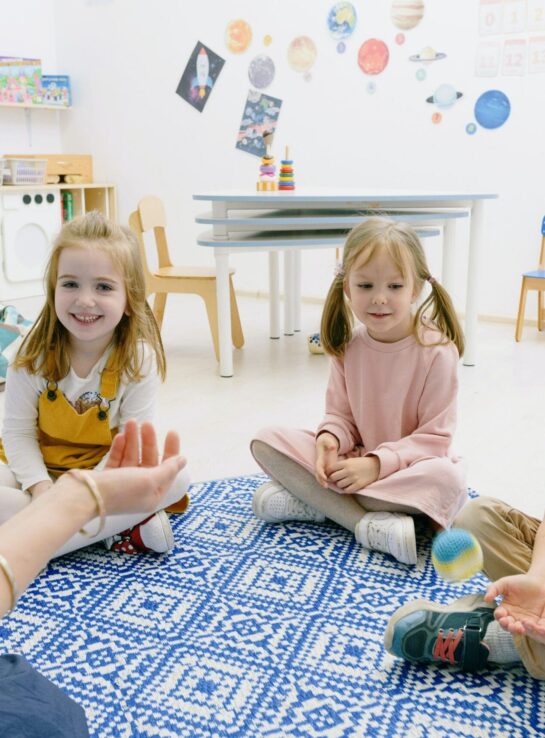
431 280
339 271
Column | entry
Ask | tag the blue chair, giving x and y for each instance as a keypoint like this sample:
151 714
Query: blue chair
533 281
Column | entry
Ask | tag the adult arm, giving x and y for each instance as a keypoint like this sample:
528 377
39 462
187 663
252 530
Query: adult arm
522 609
63 510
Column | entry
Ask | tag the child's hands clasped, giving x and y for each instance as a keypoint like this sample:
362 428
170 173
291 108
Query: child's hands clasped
354 474
350 475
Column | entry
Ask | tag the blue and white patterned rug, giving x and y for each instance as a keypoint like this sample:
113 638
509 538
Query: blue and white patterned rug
254 630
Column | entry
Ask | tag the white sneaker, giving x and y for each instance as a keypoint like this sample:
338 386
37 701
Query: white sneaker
274 504
391 533
152 535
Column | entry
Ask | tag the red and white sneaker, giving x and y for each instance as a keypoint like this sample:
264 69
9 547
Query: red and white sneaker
152 535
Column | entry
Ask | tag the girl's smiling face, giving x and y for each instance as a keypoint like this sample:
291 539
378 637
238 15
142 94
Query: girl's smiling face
90 296
381 297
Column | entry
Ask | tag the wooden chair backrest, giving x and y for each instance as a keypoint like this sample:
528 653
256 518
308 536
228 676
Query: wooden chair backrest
152 217
136 227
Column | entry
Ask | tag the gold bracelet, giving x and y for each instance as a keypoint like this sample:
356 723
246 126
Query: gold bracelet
8 573
89 482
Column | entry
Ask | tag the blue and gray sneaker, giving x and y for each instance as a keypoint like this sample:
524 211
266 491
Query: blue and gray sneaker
427 633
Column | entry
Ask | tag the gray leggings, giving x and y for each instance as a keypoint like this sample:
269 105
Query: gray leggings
346 510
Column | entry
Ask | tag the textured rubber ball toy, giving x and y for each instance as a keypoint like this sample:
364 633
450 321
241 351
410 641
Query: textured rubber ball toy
456 555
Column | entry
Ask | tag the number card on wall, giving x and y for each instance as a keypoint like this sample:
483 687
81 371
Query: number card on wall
487 62
514 57
514 16
490 17
536 55
536 15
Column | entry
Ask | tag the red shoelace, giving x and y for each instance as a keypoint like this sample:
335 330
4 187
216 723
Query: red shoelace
445 645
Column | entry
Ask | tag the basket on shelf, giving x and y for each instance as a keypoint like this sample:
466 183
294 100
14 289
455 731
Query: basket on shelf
24 171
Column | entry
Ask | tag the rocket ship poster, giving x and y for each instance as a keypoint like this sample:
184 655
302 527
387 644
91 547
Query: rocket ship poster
200 76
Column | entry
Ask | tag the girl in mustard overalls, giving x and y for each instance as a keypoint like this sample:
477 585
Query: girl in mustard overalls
93 359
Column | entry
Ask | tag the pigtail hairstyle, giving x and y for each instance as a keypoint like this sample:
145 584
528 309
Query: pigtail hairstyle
337 319
44 350
442 315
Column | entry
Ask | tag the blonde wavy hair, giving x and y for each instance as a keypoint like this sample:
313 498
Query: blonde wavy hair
403 246
45 348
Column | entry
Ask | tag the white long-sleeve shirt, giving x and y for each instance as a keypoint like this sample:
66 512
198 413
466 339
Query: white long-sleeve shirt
20 428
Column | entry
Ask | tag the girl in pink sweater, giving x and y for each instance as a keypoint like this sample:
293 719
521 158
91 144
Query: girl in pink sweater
383 450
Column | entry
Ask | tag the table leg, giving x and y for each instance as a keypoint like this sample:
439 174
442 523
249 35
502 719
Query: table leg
297 290
274 295
224 313
288 292
473 266
448 267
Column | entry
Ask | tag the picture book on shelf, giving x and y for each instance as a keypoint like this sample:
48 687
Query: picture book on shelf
56 90
20 79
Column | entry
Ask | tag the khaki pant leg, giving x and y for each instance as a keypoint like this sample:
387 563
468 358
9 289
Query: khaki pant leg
506 535
507 538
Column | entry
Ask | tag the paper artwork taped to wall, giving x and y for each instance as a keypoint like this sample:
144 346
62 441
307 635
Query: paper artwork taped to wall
260 114
200 75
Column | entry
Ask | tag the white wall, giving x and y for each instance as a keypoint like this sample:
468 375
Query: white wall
125 58
27 28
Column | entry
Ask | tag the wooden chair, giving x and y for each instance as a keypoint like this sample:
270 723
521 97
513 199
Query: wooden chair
533 281
150 215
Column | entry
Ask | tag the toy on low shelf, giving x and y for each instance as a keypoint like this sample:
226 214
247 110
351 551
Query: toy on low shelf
286 180
267 170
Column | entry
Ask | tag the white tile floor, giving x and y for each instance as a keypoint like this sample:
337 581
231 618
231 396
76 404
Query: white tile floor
501 407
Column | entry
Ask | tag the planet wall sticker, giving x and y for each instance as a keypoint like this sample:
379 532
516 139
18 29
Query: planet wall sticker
492 109
302 54
406 14
444 96
373 56
427 55
261 71
238 36
341 20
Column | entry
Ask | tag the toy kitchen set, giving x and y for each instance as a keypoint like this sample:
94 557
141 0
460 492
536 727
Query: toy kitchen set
37 195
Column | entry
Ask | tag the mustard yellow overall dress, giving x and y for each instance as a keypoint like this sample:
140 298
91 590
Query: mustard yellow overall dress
72 440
